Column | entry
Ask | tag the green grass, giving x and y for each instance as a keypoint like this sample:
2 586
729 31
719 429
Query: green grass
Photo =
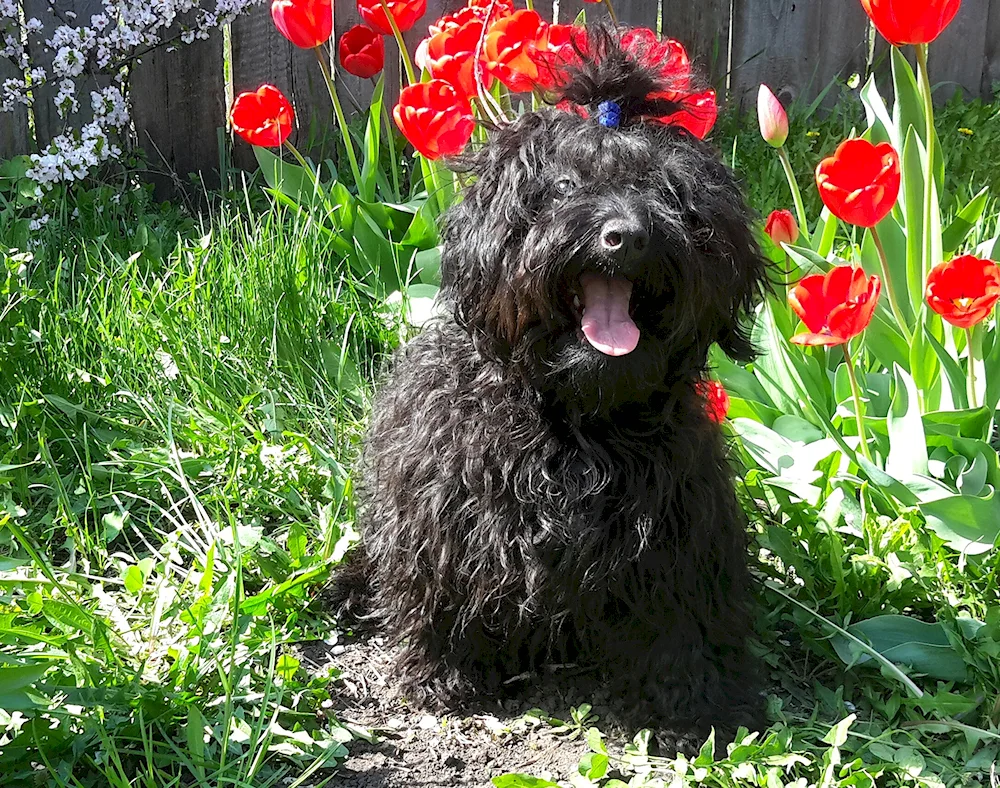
177 409
180 402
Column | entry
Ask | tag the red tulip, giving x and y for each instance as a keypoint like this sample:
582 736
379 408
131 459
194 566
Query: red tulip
306 23
561 47
263 117
964 290
911 21
509 48
771 117
716 399
668 57
697 111
469 13
450 55
405 12
500 8
782 227
697 114
435 119
834 307
860 182
362 52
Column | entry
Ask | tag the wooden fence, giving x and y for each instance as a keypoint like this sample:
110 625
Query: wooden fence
179 98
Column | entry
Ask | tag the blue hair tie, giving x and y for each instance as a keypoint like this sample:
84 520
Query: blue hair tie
609 114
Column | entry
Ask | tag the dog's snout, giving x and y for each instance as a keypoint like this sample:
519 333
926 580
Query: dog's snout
626 239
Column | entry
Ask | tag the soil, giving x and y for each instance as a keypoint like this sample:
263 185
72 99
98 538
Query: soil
414 748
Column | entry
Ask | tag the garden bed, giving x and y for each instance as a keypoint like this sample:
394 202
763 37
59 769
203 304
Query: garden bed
412 747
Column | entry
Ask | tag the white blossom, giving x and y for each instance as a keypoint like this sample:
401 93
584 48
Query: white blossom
76 51
65 99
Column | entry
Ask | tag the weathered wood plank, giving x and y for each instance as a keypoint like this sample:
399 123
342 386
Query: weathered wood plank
52 14
178 108
637 13
703 28
958 55
795 46
14 131
991 56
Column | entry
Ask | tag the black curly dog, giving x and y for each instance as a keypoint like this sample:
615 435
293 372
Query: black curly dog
540 481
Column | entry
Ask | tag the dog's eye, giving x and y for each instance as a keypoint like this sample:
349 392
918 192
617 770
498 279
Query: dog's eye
564 187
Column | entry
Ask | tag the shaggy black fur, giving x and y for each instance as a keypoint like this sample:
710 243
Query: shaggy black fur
526 498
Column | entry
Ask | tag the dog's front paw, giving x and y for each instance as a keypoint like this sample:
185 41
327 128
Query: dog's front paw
680 740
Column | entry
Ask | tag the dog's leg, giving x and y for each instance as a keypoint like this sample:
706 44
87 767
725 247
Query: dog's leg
444 667
685 671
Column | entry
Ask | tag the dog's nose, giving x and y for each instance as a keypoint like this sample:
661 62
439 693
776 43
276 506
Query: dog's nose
625 239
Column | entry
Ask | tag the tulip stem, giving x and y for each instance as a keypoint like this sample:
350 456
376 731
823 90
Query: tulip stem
611 12
800 207
407 63
889 288
925 95
341 120
390 144
317 186
858 413
975 342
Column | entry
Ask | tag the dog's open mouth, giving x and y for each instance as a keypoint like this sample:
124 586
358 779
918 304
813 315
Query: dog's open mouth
603 310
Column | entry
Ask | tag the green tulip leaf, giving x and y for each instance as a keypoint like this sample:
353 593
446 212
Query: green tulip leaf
375 259
740 408
288 178
427 266
967 218
904 641
738 380
791 461
972 480
912 194
826 233
887 483
907 445
880 125
886 343
966 523
988 250
372 144
808 261
926 369
796 429
894 241
991 366
954 373
908 109
963 423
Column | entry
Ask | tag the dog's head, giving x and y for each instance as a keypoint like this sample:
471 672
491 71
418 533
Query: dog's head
602 259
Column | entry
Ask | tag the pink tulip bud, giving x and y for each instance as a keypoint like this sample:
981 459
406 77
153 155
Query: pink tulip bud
772 118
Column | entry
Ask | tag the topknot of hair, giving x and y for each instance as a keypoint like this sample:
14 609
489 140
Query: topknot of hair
604 69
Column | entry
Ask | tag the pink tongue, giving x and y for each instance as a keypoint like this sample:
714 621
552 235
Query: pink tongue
606 323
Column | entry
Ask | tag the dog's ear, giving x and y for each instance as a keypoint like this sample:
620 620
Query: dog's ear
484 233
734 272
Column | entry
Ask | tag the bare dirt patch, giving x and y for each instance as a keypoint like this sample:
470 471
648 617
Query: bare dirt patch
417 749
